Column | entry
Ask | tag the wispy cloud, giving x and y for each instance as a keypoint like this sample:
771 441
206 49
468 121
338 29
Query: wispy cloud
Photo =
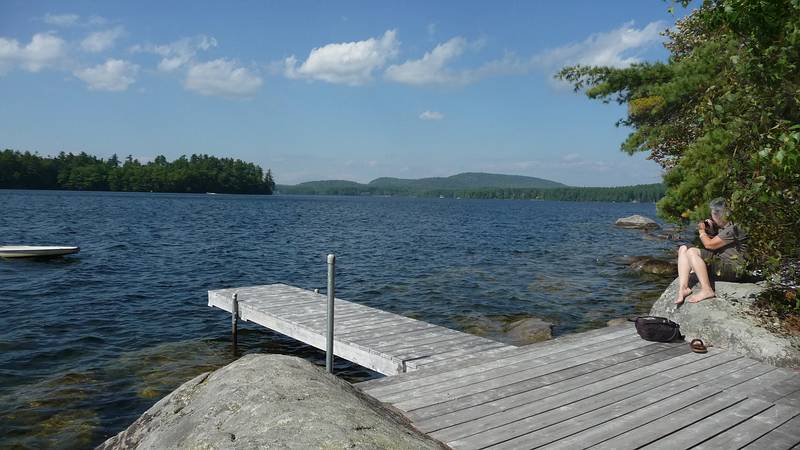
102 40
61 20
351 63
222 77
179 53
44 50
73 20
114 75
435 66
431 115
616 48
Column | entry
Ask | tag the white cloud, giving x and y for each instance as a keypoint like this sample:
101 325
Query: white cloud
431 115
349 63
615 48
434 66
179 53
44 50
221 77
113 75
61 20
72 20
102 40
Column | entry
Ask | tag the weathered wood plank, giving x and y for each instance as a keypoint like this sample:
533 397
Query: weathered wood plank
560 342
752 429
420 415
731 372
518 411
786 436
413 360
775 392
517 355
494 388
707 427
647 414
667 424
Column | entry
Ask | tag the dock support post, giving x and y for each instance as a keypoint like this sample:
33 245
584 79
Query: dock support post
331 295
235 320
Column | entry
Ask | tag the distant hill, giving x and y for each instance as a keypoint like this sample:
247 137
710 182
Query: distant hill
400 186
479 186
467 180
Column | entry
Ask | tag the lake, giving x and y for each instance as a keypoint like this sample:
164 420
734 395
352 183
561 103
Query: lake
89 342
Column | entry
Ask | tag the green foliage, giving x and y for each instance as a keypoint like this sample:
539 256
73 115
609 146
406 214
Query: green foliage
722 116
198 173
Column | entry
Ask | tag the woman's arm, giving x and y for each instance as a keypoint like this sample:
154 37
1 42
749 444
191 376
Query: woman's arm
710 243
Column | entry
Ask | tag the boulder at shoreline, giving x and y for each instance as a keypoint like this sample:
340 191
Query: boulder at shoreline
269 401
637 222
724 322
654 266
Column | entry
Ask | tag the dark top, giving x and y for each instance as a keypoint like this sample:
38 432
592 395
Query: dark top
735 250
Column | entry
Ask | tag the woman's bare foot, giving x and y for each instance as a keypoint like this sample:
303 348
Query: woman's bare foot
702 295
682 293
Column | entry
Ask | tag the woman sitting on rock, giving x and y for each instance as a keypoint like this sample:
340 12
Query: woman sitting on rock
724 252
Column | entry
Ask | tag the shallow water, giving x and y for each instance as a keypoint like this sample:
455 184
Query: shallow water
88 342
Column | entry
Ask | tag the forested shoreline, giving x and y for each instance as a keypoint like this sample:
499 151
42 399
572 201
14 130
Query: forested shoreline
637 193
193 174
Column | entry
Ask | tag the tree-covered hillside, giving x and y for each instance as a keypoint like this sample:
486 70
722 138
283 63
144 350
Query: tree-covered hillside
467 180
407 188
197 173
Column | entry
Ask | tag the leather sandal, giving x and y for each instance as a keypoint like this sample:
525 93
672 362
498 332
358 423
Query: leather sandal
698 346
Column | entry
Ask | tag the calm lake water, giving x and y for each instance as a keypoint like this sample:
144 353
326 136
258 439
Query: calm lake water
89 342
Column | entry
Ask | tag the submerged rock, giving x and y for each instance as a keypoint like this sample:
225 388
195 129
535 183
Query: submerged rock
527 331
513 330
655 266
638 222
269 401
724 321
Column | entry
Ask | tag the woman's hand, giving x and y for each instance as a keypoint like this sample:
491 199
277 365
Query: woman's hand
702 226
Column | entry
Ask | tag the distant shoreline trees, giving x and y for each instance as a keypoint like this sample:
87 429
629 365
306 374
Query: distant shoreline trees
640 193
193 174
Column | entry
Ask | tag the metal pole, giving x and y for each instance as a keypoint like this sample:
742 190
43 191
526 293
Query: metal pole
235 319
331 293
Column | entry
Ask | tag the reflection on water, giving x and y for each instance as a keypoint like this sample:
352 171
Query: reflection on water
88 342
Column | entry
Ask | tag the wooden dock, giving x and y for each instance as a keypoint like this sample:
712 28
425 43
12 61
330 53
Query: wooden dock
378 340
605 388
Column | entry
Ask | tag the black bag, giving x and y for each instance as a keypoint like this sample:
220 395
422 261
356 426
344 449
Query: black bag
657 329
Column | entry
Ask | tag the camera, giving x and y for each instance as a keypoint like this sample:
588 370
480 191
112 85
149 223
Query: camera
711 227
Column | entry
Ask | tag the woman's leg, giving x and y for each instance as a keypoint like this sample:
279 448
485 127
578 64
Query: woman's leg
683 274
700 269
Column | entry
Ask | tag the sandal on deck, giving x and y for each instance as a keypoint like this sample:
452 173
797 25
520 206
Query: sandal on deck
698 346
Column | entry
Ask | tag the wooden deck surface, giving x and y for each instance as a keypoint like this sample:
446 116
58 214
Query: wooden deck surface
385 342
605 388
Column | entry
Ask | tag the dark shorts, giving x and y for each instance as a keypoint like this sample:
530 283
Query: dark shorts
721 269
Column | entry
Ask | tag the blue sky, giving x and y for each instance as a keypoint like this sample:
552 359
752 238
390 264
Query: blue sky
328 90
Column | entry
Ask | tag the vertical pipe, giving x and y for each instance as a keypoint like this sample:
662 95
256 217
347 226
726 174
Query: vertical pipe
331 294
235 320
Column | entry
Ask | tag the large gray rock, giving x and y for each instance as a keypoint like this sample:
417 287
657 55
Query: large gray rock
269 401
638 222
724 322
527 331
